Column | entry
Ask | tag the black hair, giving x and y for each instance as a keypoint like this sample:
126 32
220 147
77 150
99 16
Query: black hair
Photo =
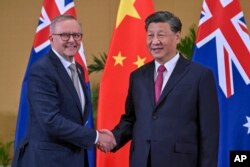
165 17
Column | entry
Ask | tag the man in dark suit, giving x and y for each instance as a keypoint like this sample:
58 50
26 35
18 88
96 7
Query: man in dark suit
57 136
176 125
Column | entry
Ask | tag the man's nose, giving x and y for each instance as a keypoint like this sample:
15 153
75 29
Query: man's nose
155 40
71 38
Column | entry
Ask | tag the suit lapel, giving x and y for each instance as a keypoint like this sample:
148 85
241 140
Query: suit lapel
65 77
178 73
149 77
80 72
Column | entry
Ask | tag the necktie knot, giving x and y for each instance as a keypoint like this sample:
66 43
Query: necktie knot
74 76
72 67
161 68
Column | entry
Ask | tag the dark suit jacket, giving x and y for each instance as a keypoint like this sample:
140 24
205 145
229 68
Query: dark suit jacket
182 129
56 135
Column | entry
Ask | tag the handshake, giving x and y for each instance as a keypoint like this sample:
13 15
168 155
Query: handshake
106 141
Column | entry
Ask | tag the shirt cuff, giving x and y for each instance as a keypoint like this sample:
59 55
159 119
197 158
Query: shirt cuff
97 137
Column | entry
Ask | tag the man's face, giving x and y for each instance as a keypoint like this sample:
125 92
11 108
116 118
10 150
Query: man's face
161 41
66 48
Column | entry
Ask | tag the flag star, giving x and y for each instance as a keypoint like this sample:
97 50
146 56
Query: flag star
247 124
119 59
126 8
140 61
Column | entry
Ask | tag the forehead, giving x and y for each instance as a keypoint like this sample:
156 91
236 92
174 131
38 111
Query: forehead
160 26
68 25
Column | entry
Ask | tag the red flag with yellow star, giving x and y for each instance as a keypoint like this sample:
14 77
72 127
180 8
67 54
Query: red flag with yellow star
127 52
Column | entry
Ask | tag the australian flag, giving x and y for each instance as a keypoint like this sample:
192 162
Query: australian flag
41 45
223 45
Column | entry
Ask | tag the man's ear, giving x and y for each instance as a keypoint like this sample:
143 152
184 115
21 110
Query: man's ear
51 38
178 37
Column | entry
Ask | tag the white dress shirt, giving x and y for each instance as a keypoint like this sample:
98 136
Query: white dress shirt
169 65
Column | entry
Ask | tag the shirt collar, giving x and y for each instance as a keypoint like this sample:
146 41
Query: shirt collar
169 64
65 62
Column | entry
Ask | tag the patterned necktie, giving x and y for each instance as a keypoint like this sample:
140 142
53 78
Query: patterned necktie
75 79
158 82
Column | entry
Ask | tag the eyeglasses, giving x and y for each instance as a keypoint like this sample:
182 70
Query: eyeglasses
66 36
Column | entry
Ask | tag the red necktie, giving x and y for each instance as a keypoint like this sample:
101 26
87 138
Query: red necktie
158 82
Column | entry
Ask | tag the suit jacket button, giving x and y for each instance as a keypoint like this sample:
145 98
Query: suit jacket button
155 117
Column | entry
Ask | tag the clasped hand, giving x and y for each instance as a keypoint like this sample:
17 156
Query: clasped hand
106 141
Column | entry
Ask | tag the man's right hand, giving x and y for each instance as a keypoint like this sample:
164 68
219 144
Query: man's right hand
106 141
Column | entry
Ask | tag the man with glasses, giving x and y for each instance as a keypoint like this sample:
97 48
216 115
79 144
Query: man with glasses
58 102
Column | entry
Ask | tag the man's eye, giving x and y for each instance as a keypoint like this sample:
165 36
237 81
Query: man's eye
150 36
76 35
65 35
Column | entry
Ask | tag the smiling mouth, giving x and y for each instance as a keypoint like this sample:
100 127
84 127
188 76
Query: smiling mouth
71 47
156 49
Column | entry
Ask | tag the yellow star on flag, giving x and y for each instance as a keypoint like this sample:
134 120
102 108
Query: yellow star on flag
126 8
119 59
140 61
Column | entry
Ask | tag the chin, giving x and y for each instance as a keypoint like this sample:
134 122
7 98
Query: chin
72 53
157 56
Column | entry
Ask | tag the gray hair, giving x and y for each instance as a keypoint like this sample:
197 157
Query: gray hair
61 18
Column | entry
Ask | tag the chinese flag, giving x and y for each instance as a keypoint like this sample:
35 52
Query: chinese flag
127 52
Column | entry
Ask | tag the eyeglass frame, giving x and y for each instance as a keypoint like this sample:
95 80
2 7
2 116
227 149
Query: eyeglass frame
68 35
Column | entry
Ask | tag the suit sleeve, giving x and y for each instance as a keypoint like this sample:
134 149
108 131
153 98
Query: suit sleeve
123 130
208 120
45 107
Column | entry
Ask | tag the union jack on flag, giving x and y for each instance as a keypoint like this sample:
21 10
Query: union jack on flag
223 45
41 45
